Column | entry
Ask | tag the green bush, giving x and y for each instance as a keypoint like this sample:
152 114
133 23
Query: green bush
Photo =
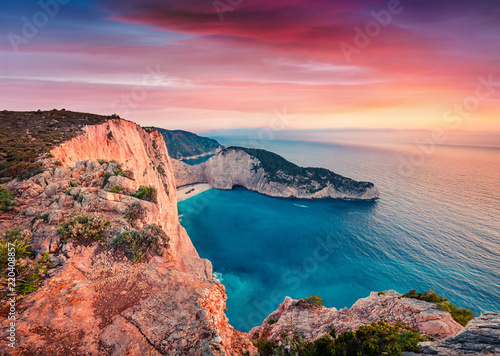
151 240
460 315
58 163
133 213
6 198
83 227
146 193
28 273
311 302
118 189
43 216
375 339
271 321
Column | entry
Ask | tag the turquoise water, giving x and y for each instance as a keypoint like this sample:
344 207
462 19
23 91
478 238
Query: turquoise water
435 226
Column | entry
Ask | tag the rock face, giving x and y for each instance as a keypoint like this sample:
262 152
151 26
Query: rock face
99 304
481 336
184 145
314 322
145 154
272 175
97 300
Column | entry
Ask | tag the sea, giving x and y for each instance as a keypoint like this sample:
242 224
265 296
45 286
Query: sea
436 226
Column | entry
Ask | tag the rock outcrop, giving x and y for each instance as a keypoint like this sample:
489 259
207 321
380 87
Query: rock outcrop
313 322
481 336
267 173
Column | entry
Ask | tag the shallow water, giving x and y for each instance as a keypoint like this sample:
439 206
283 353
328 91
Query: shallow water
436 226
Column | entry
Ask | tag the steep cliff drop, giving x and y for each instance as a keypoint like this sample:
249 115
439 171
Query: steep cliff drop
144 153
98 299
270 174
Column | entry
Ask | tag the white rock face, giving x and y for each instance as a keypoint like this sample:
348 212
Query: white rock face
235 167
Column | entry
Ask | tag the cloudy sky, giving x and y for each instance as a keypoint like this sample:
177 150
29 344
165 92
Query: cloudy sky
224 64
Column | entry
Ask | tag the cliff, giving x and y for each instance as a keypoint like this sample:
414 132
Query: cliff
481 336
267 173
184 145
106 297
313 322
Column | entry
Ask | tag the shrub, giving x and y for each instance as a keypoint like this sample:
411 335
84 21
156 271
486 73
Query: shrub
44 217
6 198
83 227
58 163
378 338
311 302
133 213
68 191
271 321
118 189
102 161
460 315
265 347
149 241
146 193
28 273
105 179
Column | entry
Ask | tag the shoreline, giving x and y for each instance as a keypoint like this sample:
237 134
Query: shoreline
189 191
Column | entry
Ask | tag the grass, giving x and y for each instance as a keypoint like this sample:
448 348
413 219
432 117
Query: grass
460 315
27 136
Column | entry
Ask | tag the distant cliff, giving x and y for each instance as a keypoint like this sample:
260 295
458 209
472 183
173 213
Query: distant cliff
183 145
270 174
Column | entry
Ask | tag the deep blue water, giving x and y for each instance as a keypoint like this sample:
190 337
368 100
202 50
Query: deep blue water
436 226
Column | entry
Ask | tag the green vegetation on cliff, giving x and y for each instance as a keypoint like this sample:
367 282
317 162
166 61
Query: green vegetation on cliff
460 315
279 170
25 136
380 338
184 144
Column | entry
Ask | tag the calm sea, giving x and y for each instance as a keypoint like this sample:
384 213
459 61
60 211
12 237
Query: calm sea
436 226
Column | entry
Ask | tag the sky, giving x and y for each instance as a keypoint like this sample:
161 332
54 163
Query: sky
205 65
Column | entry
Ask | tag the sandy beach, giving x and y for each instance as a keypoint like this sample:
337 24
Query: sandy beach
191 190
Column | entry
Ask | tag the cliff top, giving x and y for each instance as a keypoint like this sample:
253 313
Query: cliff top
25 136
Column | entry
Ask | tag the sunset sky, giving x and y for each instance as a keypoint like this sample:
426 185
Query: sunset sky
201 65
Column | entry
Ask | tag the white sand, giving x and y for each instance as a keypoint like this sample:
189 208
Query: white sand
193 189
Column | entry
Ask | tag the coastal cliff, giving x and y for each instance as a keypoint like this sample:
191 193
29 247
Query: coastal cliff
184 145
270 174
108 270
